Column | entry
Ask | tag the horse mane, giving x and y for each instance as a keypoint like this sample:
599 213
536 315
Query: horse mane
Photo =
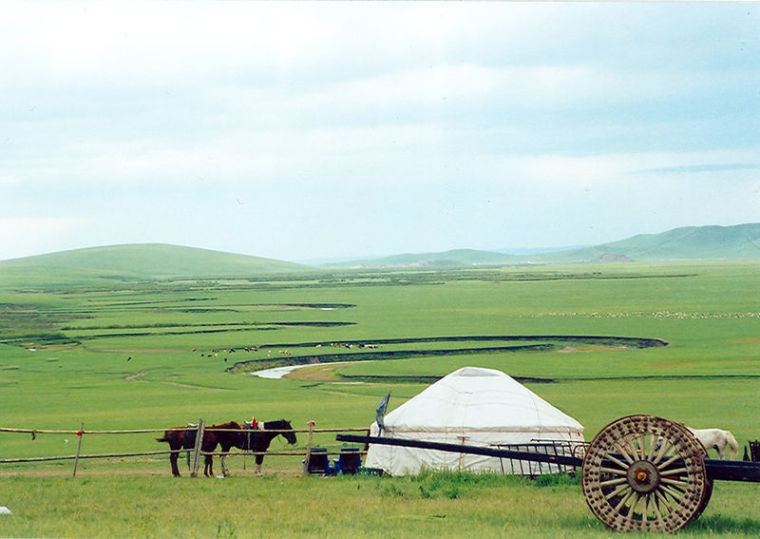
277 423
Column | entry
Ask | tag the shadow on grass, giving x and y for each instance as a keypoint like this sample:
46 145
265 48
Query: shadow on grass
724 525
713 526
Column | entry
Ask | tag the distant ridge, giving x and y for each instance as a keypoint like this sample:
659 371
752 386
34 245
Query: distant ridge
453 258
162 261
738 242
687 243
141 261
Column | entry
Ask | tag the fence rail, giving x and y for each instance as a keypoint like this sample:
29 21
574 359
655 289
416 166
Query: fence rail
147 431
516 466
196 452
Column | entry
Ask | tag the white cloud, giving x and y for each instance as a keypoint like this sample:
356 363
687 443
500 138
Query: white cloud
409 123
634 166
559 170
27 236
9 179
139 42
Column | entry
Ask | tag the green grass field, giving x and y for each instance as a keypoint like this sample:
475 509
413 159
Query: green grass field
154 354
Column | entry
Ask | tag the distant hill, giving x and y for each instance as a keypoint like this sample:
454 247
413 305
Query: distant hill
688 243
453 258
161 261
138 261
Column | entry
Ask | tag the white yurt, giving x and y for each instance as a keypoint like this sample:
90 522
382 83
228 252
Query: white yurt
470 406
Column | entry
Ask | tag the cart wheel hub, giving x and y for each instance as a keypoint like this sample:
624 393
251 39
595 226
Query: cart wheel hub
643 476
645 473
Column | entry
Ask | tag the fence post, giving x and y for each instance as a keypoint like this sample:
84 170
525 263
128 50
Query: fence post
309 436
80 435
197 448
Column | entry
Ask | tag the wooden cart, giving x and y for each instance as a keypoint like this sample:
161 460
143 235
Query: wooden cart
640 473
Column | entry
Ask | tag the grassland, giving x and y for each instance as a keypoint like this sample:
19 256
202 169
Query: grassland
137 354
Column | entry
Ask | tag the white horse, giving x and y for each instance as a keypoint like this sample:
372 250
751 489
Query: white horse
717 439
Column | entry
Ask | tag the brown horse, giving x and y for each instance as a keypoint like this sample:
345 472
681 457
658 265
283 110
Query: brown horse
227 435
180 438
258 440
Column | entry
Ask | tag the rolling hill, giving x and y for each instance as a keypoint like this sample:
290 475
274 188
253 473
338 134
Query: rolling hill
161 261
138 262
447 259
687 243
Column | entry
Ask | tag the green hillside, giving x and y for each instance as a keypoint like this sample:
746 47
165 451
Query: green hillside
740 242
161 261
453 258
138 261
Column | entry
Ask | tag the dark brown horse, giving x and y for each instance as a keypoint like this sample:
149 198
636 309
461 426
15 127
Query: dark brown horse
258 440
181 438
227 435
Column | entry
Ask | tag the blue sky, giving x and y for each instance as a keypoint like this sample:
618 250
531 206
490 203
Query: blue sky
299 131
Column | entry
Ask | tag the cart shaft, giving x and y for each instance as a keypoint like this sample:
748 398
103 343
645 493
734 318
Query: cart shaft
733 470
723 470
457 448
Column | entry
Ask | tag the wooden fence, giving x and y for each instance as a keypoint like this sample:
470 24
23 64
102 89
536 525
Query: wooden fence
195 453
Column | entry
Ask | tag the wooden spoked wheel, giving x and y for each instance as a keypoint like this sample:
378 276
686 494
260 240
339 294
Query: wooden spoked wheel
709 489
644 473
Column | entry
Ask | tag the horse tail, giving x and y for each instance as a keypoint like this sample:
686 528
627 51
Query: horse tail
732 444
167 437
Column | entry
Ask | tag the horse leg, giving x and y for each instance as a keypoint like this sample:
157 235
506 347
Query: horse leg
208 468
259 460
173 460
226 446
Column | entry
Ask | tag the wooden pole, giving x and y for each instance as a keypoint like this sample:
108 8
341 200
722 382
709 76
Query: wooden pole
475 450
197 449
98 456
309 437
461 455
80 435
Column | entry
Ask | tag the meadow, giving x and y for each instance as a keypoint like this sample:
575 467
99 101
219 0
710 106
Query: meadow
150 354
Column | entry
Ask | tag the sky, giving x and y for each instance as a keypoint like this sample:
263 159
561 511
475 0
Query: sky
303 131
